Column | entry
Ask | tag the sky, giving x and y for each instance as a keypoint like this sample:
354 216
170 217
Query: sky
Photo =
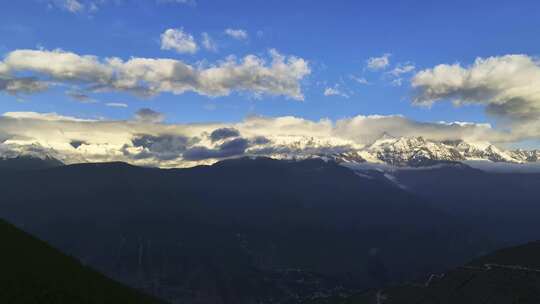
225 62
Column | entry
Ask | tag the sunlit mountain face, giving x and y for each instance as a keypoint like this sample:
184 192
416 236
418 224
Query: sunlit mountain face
241 152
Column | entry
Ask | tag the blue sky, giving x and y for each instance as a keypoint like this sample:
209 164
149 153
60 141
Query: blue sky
335 37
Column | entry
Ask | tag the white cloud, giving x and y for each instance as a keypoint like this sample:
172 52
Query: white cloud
401 69
397 82
73 6
92 6
335 91
76 6
60 65
360 80
178 40
378 63
208 43
188 2
237 34
507 85
150 76
399 73
366 129
4 70
43 116
116 105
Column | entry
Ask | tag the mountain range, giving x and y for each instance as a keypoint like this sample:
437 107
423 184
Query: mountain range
417 152
261 230
239 231
388 150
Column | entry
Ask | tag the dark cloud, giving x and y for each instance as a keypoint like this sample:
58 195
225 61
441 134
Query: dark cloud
260 140
223 133
149 116
515 108
162 147
24 85
230 148
76 143
80 97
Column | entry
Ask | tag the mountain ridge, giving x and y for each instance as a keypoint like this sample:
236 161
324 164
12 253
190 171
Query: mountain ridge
389 150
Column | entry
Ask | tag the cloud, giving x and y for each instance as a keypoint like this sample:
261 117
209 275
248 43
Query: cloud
187 2
208 43
152 76
360 80
145 141
22 85
149 116
260 140
43 117
401 69
507 85
81 97
73 6
76 6
223 133
60 65
90 6
366 129
335 91
379 63
116 105
230 148
76 143
178 40
162 147
237 34
4 70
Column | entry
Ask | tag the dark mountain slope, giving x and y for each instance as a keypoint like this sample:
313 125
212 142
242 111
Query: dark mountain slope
527 255
33 272
507 276
505 205
241 231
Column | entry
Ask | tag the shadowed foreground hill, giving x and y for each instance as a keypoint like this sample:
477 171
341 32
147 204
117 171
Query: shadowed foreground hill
33 272
506 276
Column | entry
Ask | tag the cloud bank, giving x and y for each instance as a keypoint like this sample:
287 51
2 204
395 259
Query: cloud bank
282 75
145 140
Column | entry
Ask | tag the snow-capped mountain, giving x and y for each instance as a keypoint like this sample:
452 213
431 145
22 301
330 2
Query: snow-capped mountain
406 152
387 150
417 151
27 151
